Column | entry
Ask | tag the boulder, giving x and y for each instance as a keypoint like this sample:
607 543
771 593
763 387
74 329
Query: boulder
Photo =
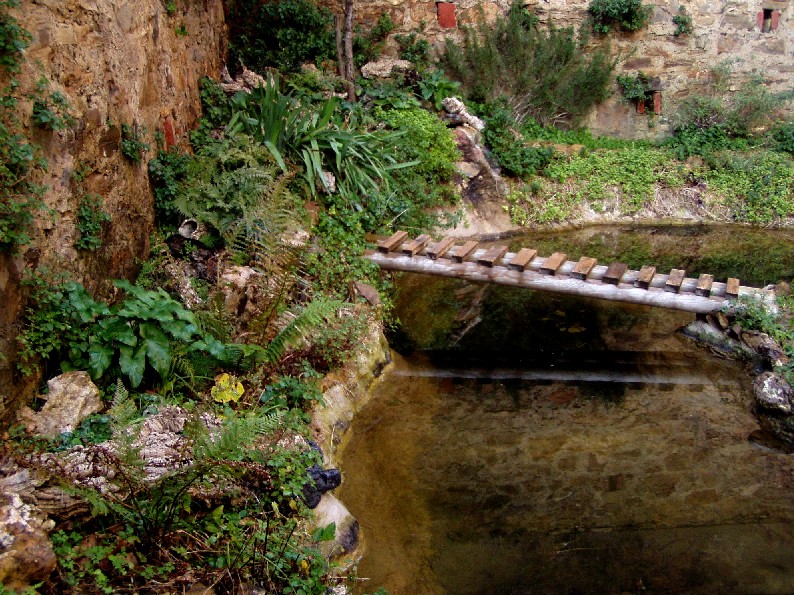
773 393
386 68
71 398
766 347
454 106
346 538
26 555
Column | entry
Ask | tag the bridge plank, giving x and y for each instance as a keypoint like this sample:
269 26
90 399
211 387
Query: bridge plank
614 272
674 281
462 252
645 277
583 267
492 255
552 263
438 249
393 242
703 288
732 287
522 258
414 246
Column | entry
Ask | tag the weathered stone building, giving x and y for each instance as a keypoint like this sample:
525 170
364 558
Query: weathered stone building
753 36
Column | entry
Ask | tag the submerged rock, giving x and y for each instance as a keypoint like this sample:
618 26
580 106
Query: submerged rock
772 392
323 480
72 397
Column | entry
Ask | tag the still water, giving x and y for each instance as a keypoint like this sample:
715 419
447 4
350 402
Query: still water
562 446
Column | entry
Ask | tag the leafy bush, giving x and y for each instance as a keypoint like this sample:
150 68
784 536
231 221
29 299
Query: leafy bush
434 86
635 88
282 33
707 123
509 148
51 111
426 140
682 22
414 48
543 74
166 171
139 334
629 15
783 137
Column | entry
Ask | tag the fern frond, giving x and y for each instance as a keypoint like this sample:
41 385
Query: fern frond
233 441
311 317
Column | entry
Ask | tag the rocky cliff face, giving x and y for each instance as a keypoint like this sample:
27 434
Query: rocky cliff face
732 31
116 62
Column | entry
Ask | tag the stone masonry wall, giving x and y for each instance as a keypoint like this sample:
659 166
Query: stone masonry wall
724 31
117 62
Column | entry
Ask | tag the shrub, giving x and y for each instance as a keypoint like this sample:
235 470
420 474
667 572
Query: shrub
682 22
629 15
415 49
635 88
425 139
509 148
166 171
283 34
707 123
545 74
783 137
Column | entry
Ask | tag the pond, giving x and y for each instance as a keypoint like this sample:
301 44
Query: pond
563 445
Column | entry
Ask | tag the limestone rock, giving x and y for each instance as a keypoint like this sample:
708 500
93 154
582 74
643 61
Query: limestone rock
368 292
388 67
766 347
773 392
453 105
26 555
71 398
346 539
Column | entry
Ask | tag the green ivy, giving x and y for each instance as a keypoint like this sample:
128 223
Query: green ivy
21 199
90 218
132 145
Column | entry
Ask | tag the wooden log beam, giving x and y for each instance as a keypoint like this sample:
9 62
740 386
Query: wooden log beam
653 296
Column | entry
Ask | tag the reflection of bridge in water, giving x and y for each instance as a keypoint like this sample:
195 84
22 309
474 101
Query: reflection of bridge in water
585 277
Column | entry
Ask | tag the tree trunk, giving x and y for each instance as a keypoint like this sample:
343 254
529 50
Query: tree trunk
340 51
350 72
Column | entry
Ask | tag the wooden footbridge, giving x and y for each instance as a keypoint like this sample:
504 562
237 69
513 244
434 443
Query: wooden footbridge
585 277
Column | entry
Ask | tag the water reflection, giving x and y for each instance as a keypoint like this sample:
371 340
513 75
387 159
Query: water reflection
564 446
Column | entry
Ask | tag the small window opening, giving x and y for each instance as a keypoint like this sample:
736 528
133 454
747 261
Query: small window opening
766 25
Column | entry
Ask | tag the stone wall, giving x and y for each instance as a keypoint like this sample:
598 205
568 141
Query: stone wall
117 62
724 31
